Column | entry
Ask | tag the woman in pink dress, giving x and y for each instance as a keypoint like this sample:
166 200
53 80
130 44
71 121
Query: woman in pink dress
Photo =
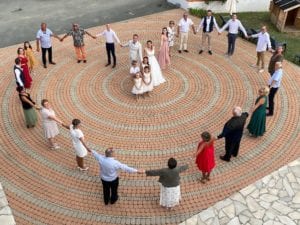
24 66
164 55
205 156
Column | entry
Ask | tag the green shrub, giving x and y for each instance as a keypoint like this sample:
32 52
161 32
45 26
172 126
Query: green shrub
197 12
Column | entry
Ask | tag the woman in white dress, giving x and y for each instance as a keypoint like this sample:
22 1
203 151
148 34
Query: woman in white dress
50 123
148 84
156 73
138 87
79 145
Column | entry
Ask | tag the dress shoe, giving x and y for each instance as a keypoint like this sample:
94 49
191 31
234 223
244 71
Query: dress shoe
114 201
269 114
84 61
45 66
186 50
107 64
200 52
113 66
53 63
224 159
78 61
179 51
210 52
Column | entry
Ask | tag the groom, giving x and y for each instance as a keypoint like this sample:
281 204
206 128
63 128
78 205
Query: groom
135 49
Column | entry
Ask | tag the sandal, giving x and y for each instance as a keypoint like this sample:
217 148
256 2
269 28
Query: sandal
202 180
83 169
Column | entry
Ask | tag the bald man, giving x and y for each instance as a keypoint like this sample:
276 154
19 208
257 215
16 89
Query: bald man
233 132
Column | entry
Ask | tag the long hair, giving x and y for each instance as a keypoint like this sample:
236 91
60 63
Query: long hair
29 45
149 41
162 31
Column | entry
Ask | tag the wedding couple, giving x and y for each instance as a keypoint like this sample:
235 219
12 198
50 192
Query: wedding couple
135 53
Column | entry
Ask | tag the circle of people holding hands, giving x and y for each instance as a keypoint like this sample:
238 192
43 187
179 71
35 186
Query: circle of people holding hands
146 74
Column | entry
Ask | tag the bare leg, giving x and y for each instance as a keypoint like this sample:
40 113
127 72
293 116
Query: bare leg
207 176
51 142
202 180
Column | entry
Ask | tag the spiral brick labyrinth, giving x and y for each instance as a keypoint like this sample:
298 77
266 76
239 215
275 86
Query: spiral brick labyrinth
44 187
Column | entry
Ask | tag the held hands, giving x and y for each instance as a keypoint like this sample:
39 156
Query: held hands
141 171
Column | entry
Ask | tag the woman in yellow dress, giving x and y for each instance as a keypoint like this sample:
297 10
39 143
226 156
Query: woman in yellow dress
29 53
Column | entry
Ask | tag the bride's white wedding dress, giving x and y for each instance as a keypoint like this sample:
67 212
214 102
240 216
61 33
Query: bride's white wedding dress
156 74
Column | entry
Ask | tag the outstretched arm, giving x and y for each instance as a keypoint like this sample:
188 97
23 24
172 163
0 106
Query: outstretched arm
56 36
92 36
154 172
65 36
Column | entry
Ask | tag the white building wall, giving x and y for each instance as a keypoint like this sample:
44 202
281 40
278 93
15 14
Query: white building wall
241 5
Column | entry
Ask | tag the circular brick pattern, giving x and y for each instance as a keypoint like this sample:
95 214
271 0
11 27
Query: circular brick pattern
44 187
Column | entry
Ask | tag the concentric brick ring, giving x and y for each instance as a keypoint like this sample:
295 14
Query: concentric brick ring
44 187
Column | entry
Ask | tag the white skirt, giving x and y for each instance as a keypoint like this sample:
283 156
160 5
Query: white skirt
80 150
169 196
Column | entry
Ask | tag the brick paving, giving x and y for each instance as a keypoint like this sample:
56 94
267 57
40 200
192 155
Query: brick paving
43 186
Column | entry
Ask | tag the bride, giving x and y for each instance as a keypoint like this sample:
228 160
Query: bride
156 74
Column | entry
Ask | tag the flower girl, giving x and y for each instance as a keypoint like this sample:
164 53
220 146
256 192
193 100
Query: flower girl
147 79
138 87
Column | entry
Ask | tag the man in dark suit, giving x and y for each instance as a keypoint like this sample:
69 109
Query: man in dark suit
233 132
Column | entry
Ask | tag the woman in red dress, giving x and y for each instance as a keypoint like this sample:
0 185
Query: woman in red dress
24 66
205 156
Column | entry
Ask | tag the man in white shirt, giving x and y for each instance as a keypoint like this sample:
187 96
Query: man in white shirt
263 43
274 84
207 24
135 49
234 25
44 36
110 38
109 174
183 29
18 73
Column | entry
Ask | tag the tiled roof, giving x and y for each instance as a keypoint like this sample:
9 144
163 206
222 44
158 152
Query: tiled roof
286 4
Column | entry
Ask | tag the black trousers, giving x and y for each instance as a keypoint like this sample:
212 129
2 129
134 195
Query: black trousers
273 91
231 43
110 49
110 191
44 50
231 148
